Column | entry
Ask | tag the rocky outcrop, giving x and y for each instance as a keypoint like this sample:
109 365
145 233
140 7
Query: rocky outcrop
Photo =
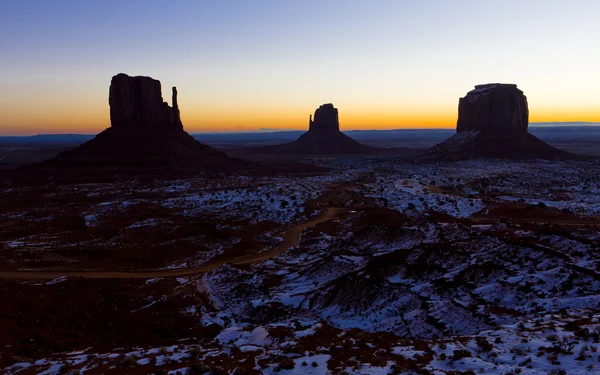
326 119
323 137
136 102
492 123
493 108
146 135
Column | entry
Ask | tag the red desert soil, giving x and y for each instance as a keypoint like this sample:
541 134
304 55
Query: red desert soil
291 238
533 214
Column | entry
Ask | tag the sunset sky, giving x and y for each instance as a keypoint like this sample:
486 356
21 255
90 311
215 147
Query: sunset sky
245 65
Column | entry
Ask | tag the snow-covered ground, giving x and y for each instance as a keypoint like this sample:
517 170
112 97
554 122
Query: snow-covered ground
413 275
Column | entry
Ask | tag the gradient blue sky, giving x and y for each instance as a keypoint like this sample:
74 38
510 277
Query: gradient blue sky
242 65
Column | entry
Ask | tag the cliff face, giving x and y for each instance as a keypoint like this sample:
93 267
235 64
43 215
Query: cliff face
326 119
136 102
494 108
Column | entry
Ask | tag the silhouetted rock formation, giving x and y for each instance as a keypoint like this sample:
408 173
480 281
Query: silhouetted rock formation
492 123
326 119
145 134
493 108
137 102
323 137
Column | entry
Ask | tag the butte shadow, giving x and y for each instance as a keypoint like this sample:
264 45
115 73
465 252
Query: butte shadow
492 123
322 138
146 135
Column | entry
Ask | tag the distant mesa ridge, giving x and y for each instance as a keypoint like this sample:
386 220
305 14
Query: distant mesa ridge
146 134
323 137
492 123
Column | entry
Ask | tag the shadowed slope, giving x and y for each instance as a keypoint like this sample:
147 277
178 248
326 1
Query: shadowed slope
476 144
131 148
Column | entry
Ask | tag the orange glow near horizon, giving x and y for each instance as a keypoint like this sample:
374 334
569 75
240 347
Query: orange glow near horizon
89 114
583 115
93 120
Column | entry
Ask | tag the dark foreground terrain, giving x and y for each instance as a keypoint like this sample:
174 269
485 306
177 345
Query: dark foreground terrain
377 265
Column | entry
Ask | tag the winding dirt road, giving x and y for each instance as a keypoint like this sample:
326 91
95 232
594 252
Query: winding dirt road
291 238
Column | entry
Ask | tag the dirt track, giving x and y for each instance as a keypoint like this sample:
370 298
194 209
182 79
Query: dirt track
291 238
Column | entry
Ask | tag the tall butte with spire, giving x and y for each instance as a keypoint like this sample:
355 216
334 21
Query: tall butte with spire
136 102
145 134
323 137
492 123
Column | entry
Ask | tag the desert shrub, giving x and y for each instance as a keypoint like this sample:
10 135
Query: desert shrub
460 354
287 364
195 351
130 360
526 362
525 288
552 337
484 344
65 369
572 326
199 369
566 345
584 333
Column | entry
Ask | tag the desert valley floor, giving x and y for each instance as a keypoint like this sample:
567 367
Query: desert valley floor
368 265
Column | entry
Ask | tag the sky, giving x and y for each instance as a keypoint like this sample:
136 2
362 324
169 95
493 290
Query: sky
255 64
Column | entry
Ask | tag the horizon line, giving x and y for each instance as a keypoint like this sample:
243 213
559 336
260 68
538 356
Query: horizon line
268 130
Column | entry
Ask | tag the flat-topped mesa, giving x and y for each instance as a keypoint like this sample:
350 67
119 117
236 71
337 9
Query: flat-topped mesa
326 119
494 108
136 102
492 123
